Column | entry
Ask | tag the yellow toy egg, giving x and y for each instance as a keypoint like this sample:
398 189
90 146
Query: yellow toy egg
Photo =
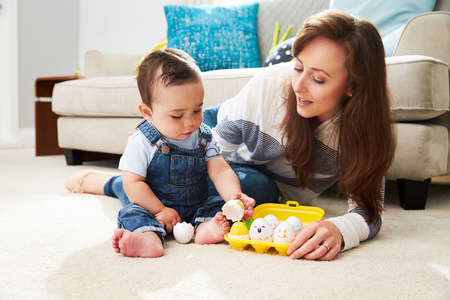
238 231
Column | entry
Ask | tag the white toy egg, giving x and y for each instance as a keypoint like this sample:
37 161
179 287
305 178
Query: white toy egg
273 221
298 225
284 233
260 230
233 210
183 232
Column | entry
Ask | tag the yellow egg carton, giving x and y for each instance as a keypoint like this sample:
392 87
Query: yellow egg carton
306 214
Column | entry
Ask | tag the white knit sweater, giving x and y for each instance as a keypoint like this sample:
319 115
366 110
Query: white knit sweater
248 132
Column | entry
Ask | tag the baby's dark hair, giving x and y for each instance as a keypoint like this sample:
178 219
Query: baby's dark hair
167 66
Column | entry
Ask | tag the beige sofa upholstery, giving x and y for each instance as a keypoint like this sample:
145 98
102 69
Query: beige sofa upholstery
98 111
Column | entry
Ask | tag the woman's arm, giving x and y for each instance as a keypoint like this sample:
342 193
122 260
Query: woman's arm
339 234
141 194
354 226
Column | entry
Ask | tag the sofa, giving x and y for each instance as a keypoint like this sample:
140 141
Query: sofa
97 112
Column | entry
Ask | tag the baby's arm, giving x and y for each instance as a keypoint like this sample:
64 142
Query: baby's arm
141 194
227 184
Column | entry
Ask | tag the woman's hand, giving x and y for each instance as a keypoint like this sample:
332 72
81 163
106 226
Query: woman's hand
311 240
168 217
249 204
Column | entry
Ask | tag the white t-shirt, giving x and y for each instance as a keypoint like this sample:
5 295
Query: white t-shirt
139 152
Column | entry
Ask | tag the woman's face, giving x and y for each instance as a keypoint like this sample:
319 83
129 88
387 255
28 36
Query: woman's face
319 79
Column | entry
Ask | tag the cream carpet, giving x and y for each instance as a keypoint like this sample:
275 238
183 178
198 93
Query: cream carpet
56 245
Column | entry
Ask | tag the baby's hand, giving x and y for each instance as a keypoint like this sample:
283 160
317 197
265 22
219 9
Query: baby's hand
168 217
249 204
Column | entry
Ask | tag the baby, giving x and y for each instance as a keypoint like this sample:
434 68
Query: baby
167 162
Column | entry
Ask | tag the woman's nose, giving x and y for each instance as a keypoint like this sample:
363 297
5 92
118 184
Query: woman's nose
299 84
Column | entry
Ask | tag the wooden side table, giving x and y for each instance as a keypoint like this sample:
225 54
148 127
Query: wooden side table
46 140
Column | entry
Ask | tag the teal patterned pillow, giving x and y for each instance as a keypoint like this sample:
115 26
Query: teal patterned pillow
217 37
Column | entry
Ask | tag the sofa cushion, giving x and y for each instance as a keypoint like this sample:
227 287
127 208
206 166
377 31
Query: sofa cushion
286 12
101 97
118 96
390 40
385 15
217 37
108 135
282 53
419 85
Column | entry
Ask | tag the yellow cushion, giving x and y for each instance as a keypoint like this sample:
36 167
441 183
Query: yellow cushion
162 44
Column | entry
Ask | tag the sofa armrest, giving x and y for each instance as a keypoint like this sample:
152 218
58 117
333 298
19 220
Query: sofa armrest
101 63
419 86
426 34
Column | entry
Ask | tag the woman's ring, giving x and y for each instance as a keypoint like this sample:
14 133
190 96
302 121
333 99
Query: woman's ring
326 246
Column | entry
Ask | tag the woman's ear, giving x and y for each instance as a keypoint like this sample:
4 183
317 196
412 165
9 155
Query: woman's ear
349 91
146 111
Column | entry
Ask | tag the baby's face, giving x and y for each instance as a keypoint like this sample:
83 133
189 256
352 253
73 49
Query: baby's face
177 109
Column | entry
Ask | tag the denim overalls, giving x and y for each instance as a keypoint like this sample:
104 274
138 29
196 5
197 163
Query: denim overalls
178 177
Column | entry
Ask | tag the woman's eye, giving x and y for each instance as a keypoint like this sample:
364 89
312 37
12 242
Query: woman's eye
177 117
318 81
298 70
197 111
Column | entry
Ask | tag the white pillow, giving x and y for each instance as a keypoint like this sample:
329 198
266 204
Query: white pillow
390 40
386 15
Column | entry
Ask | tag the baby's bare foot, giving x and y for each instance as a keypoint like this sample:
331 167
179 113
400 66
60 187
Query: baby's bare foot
93 183
146 244
88 181
212 231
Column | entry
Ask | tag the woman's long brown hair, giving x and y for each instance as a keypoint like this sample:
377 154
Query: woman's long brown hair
367 141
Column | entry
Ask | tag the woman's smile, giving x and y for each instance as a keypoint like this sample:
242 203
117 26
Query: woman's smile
303 102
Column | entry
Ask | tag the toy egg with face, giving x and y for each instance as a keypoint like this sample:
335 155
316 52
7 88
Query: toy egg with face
238 231
298 225
273 221
233 210
183 232
284 233
260 230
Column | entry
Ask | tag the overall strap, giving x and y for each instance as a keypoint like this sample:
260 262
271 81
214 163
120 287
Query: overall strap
149 131
205 134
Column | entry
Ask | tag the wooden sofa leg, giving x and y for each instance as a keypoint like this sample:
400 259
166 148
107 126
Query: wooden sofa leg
73 157
413 194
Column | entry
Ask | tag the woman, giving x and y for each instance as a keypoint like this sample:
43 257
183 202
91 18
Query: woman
331 123
334 126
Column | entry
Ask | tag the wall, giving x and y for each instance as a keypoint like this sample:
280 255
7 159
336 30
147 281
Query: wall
48 46
9 100
134 26
54 36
